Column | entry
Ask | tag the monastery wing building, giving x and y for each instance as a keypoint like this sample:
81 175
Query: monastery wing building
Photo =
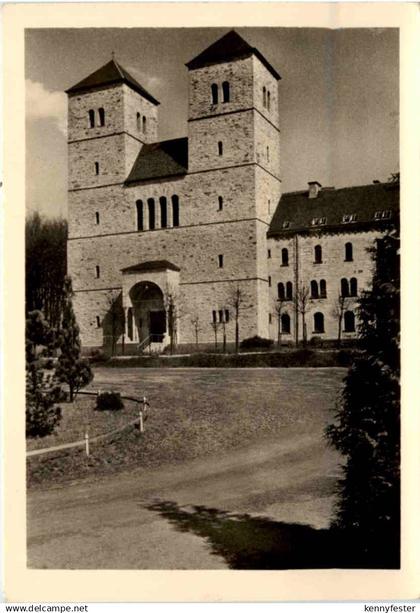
163 235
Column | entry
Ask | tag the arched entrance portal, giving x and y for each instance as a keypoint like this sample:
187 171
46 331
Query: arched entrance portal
147 317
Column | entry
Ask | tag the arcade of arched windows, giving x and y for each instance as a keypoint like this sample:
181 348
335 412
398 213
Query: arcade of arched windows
155 213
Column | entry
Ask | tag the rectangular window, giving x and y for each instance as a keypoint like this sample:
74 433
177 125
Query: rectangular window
214 316
220 258
269 254
220 316
270 318
97 272
269 281
227 316
98 321
97 218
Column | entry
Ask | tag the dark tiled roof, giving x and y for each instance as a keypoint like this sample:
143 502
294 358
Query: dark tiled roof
152 265
110 74
230 47
363 201
157 160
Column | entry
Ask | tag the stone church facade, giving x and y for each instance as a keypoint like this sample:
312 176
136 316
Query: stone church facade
163 236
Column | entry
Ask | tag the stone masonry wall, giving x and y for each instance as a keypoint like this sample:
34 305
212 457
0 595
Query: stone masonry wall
203 285
332 269
239 75
198 202
264 78
133 104
236 132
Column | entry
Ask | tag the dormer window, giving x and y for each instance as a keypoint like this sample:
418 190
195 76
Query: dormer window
383 214
319 221
347 218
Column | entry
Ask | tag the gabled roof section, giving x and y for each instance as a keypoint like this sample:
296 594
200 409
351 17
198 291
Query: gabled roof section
152 265
230 47
157 160
110 74
295 211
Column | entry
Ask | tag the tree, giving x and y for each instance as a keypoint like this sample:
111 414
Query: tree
301 301
367 427
71 369
215 325
338 310
45 268
173 313
42 393
278 305
237 300
195 322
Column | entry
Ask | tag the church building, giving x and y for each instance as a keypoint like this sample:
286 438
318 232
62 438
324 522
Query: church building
178 239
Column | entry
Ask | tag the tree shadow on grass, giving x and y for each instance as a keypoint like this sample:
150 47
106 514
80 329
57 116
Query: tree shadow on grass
259 543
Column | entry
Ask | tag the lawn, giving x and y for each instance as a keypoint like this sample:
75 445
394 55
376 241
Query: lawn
193 413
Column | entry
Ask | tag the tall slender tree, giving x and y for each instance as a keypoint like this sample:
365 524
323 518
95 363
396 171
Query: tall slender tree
71 369
367 428
46 263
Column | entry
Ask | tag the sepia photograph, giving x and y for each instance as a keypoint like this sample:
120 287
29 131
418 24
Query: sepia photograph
212 291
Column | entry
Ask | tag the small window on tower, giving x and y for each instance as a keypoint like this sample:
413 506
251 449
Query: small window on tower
214 94
226 91
269 281
227 316
175 211
91 114
101 117
220 258
269 254
144 123
220 147
268 100
151 211
264 97
96 168
138 121
97 218
220 203
97 272
98 321
268 154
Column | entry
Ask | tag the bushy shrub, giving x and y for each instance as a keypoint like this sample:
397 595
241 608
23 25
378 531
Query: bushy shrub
316 341
97 356
109 401
42 412
256 342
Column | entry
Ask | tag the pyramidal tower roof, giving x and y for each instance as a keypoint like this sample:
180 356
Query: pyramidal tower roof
230 47
110 74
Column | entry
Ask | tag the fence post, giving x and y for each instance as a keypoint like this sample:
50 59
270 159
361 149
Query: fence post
87 442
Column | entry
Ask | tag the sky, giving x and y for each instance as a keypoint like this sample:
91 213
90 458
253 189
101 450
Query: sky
338 97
